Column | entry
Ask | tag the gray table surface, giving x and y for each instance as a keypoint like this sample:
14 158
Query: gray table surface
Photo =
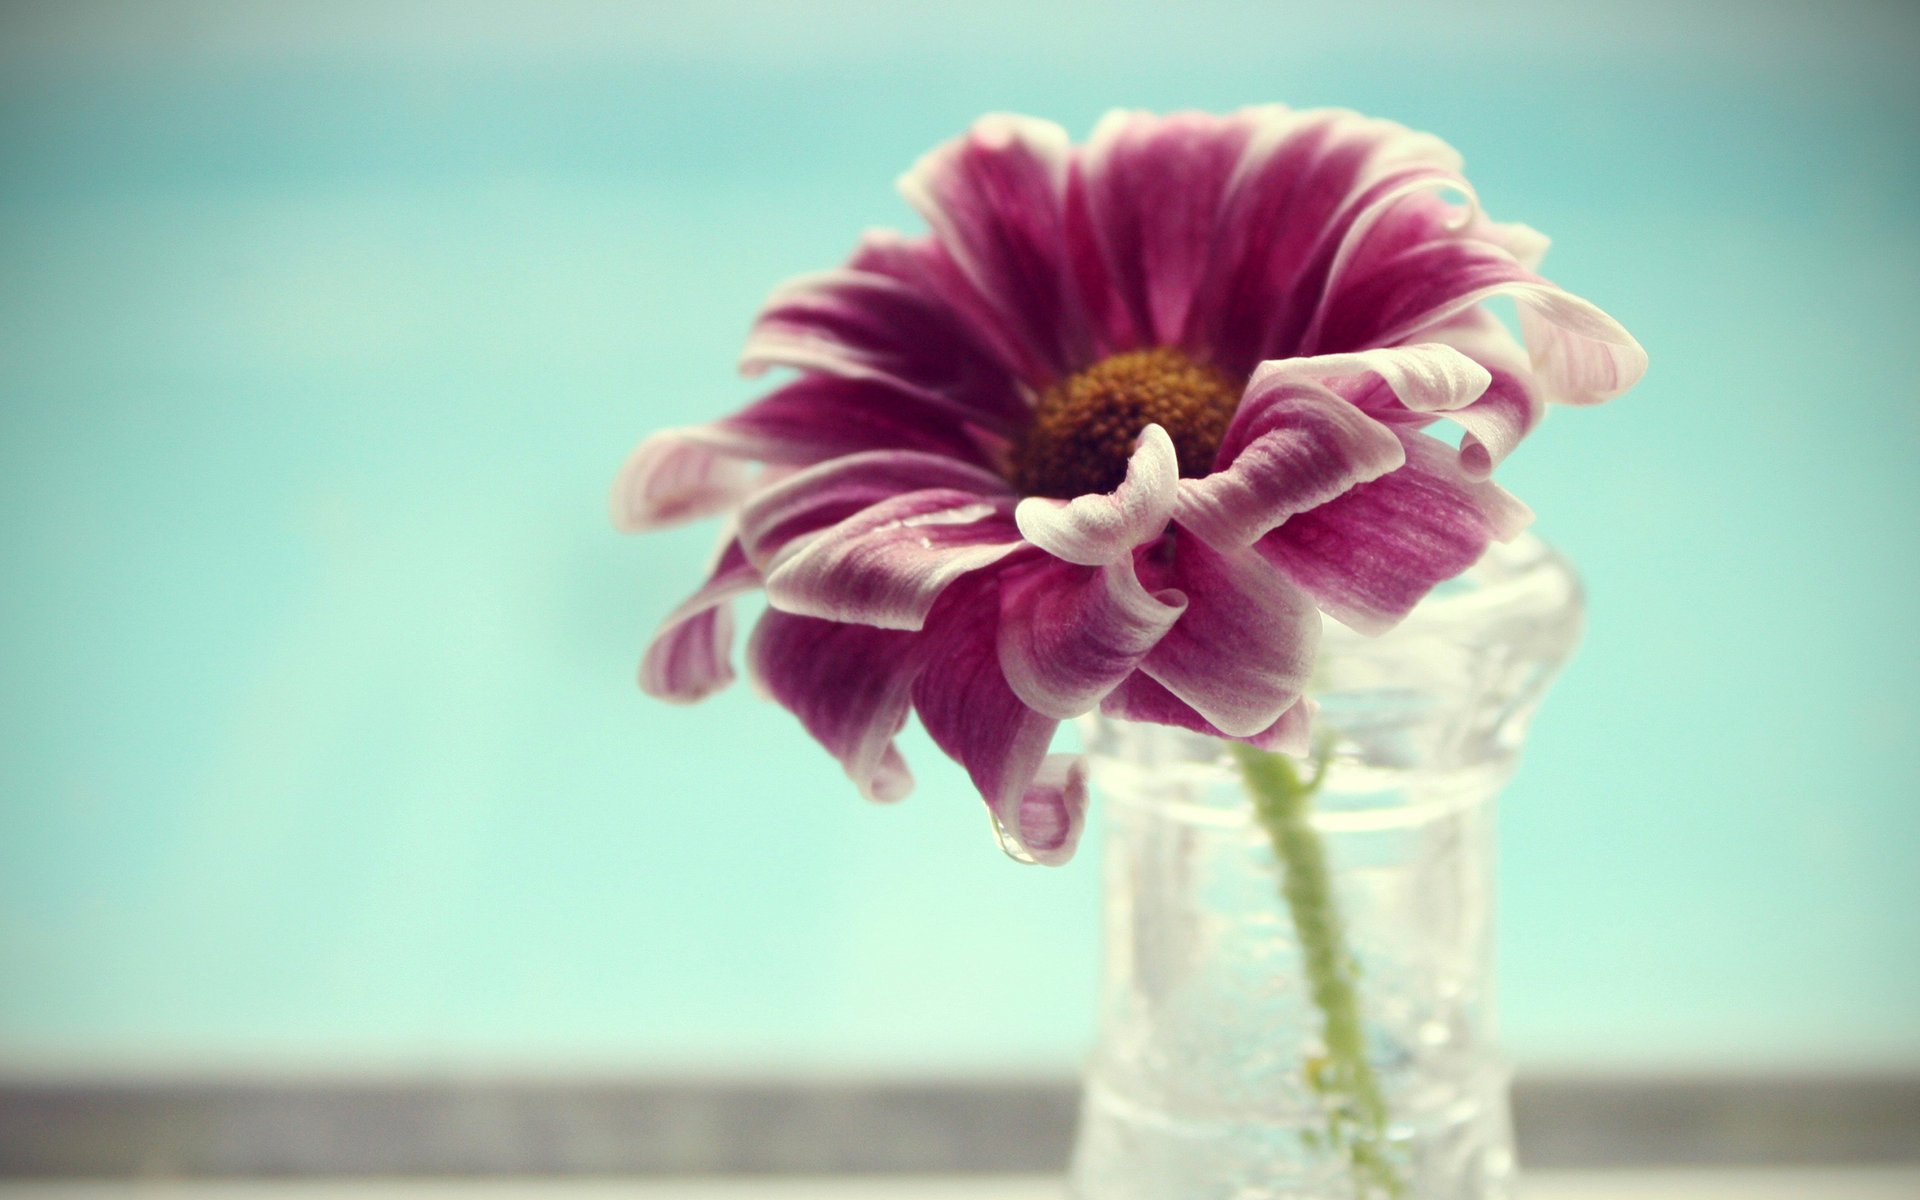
1779 1184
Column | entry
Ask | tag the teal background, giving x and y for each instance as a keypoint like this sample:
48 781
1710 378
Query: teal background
322 331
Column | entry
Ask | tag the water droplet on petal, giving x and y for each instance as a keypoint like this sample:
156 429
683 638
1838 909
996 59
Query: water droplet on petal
1009 843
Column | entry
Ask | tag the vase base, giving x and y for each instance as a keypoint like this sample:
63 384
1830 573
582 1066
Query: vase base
1129 1151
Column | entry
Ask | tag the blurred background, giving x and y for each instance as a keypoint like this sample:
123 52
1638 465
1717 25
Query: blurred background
323 328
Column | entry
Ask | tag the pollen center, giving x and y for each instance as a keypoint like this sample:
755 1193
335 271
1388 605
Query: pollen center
1084 428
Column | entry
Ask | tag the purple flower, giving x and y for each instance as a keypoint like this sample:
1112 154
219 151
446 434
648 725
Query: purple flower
1113 436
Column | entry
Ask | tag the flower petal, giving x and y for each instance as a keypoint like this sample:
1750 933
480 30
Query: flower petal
1426 261
973 715
1304 179
1139 698
1153 188
674 476
863 325
807 502
849 685
995 200
1369 556
1586 354
1095 528
1426 378
1053 809
1069 634
1242 653
1512 404
817 417
887 564
690 657
1294 443
924 265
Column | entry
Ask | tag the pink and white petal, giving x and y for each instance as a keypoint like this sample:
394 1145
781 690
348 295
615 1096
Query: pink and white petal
818 417
850 686
1069 634
864 325
1420 267
1290 733
1053 810
924 264
807 502
1431 377
1379 204
995 198
1511 406
1293 445
1102 528
1140 698
690 657
681 474
1304 179
1370 555
887 564
1527 245
1495 423
1242 653
1153 187
972 714
1410 264
676 476
1586 354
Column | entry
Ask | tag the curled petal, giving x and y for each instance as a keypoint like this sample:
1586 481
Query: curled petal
1293 445
1426 378
1095 529
1426 262
1512 404
1303 182
690 658
675 476
887 564
1369 556
973 715
866 326
1585 353
1053 809
1242 653
1069 634
850 687
995 200
1290 733
1496 422
807 502
1139 698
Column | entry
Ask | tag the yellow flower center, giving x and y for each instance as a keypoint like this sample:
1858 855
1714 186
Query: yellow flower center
1084 428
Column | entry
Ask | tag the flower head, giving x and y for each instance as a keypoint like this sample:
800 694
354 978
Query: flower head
1113 436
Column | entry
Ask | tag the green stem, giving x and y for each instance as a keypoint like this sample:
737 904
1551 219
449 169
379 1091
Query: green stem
1344 1077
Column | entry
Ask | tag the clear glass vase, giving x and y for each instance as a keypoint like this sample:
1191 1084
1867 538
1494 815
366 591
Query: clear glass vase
1209 1077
